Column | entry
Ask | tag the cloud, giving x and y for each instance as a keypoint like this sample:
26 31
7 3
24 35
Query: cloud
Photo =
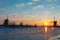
58 6
51 0
35 0
38 7
29 3
53 7
1 9
20 5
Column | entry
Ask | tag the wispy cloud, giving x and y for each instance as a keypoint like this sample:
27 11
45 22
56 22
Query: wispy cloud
58 6
38 7
1 9
51 0
53 7
29 3
35 0
20 5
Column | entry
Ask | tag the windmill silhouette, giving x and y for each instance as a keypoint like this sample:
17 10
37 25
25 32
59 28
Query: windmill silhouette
6 21
54 22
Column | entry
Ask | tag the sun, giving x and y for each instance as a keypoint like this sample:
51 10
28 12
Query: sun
46 23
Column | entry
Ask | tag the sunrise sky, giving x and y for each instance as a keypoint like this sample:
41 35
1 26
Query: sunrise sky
30 11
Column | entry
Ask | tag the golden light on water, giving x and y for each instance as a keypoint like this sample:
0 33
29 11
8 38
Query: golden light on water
46 29
52 28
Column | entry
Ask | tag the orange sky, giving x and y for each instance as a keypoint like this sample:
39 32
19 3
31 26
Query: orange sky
40 22
30 21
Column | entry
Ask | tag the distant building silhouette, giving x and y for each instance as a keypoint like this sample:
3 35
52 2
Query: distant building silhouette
54 22
35 25
21 24
26 24
6 21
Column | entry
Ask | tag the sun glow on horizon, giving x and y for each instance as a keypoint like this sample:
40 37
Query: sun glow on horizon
46 24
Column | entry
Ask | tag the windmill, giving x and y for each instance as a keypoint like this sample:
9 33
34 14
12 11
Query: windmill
54 22
6 21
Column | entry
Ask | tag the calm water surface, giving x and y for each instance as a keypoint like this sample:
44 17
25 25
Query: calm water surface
38 33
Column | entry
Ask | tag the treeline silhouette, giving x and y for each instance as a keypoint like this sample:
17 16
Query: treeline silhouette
6 24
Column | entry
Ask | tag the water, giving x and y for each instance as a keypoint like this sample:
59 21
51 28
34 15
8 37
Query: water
38 33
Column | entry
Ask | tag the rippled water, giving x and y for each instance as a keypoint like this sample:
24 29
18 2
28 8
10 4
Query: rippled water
38 33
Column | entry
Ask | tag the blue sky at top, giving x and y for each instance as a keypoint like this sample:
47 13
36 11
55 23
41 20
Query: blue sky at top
34 9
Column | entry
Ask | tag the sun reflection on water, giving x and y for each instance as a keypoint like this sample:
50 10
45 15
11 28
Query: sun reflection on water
46 29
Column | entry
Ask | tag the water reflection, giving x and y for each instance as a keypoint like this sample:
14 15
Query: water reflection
47 31
38 33
52 28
